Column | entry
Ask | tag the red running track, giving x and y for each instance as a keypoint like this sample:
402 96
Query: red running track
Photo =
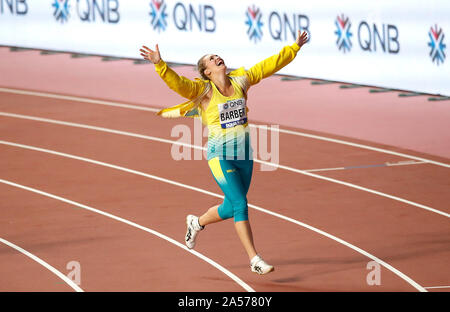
320 231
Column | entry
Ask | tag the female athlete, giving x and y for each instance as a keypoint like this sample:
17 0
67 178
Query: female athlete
219 98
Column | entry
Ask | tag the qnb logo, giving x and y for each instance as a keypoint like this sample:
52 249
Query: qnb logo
61 12
372 37
106 11
158 14
93 10
185 17
282 26
16 7
437 45
343 33
254 23
385 36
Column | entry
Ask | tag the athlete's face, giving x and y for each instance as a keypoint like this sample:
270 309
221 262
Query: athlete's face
214 64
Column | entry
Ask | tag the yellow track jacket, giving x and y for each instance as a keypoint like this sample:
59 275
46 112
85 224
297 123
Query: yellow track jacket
226 117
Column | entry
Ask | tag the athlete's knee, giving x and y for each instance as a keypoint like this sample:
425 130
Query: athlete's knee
240 209
225 210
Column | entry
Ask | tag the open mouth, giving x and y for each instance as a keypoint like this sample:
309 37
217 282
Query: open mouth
220 62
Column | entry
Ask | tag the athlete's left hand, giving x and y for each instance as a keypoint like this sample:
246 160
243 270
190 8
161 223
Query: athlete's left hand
150 55
302 38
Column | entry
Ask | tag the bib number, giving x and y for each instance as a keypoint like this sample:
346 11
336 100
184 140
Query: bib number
232 113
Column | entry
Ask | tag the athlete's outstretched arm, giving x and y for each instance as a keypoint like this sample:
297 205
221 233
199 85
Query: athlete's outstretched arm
276 62
181 85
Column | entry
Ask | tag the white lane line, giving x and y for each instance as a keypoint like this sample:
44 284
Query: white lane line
436 287
67 280
357 249
375 149
360 188
387 164
298 133
140 136
405 163
345 243
77 99
160 235
324 169
78 125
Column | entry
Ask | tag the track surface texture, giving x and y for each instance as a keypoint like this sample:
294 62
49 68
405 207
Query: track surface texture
87 176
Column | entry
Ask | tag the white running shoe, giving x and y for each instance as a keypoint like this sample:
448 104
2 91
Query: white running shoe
193 227
259 266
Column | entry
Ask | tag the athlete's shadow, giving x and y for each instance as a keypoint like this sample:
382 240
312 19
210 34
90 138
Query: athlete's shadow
309 267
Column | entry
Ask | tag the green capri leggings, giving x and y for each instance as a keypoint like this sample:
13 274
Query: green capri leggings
233 177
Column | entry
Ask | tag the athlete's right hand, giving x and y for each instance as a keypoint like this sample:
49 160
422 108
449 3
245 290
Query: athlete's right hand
302 38
150 55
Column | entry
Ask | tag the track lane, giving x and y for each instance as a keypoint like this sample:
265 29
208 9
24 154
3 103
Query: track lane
176 145
350 282
424 183
336 149
21 273
61 232
326 235
185 164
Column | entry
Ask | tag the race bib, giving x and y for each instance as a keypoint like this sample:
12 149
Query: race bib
232 113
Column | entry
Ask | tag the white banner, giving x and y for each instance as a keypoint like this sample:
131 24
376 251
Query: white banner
394 44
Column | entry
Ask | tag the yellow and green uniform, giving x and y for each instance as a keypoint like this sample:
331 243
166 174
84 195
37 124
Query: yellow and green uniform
229 152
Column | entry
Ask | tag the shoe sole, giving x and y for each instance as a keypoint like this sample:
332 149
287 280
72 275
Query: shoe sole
271 270
187 229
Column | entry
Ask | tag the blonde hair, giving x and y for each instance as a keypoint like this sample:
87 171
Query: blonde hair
201 67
